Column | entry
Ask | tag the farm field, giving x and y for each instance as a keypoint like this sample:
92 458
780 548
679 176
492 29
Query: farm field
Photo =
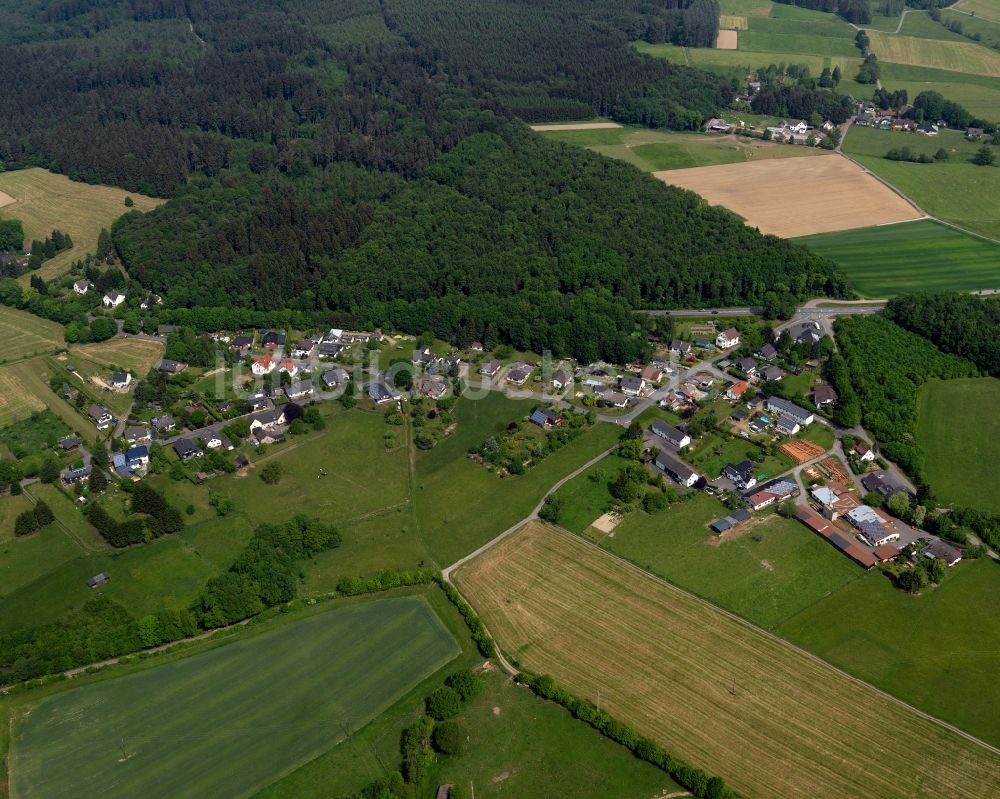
766 572
766 195
953 56
980 94
558 126
653 150
26 335
958 427
939 651
24 389
135 355
45 201
338 670
769 719
914 256
981 8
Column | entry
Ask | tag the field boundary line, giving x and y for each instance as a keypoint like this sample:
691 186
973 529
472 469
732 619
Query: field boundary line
783 641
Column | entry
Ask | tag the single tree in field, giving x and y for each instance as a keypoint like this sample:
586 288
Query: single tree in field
26 523
43 514
49 472
271 473
984 157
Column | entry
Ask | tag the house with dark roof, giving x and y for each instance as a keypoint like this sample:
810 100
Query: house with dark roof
304 349
98 579
171 367
490 368
786 425
782 407
767 353
680 347
676 469
546 417
187 449
669 433
560 379
747 365
334 377
78 475
264 436
882 483
161 424
273 340
299 390
135 457
806 333
120 381
269 419
82 286
614 398
136 435
380 392
635 386
100 416
943 551
242 343
741 474
863 451
69 443
769 493
824 395
433 386
771 372
727 338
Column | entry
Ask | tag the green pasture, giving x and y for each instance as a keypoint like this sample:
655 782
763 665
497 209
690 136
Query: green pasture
214 724
958 427
768 573
979 94
914 256
939 651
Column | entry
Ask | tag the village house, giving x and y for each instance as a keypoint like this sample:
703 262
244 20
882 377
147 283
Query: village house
975 133
187 449
748 366
381 393
120 381
560 380
771 373
334 377
136 435
718 126
432 386
289 367
162 424
834 499
262 365
805 333
304 349
242 343
676 469
518 373
943 551
299 390
78 475
679 347
273 340
81 287
330 349
171 367
728 338
422 357
614 398
782 407
787 426
863 451
490 368
269 419
670 434
881 483
652 374
741 474
137 457
100 416
767 353
70 444
113 299
770 493
633 386
737 390
546 418
824 396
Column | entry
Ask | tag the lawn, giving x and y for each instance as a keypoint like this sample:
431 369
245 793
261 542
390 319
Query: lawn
914 256
710 454
652 150
958 427
766 574
459 505
586 497
769 719
361 476
46 201
337 671
25 334
939 651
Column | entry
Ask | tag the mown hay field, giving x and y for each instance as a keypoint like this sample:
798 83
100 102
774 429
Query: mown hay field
45 201
952 56
796 197
137 355
25 334
227 722
770 719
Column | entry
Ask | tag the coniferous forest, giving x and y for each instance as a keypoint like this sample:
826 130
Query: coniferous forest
370 160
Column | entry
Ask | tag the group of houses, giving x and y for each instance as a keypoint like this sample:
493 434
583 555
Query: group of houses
870 115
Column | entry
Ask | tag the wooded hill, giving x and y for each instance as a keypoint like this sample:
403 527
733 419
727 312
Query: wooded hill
363 157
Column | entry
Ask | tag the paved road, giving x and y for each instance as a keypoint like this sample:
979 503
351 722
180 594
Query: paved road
704 312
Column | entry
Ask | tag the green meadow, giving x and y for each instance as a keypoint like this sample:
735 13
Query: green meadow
914 256
213 724
958 428
939 651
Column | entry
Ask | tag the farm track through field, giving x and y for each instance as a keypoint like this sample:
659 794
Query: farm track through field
772 719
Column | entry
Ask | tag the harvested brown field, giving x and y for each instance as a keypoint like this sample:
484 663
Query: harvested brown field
577 126
794 197
802 451
6 199
733 22
137 355
770 719
727 40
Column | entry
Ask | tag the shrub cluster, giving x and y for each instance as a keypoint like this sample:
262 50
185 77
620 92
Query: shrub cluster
487 647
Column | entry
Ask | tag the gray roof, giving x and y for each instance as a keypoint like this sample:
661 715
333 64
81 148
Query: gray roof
667 431
675 466
783 406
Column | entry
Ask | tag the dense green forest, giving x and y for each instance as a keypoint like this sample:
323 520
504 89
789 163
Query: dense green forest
365 161
957 323
877 374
